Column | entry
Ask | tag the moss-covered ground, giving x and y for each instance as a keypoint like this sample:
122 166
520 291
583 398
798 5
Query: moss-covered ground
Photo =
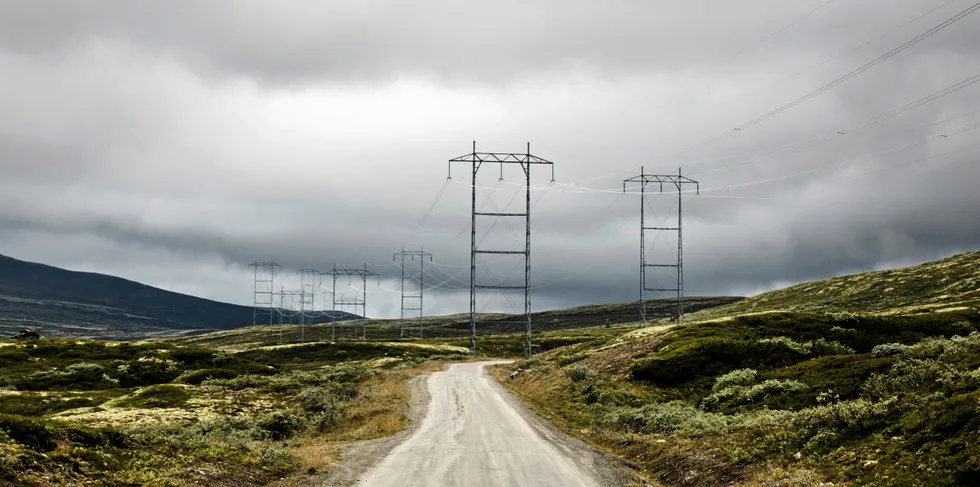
80 412
775 399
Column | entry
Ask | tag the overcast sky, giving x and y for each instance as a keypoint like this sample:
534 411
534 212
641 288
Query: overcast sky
174 143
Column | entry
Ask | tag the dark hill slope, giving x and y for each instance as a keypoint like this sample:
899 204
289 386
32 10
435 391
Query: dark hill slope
84 304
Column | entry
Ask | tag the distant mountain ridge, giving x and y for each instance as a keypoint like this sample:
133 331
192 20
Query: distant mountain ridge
59 302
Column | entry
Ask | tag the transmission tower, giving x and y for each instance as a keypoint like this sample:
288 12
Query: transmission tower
677 181
362 302
263 292
307 300
526 160
282 295
353 303
414 298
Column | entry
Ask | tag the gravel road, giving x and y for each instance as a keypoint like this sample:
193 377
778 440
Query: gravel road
474 434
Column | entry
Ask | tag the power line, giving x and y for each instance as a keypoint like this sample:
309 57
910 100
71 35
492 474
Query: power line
428 210
849 161
839 80
781 149
909 106
864 67
854 47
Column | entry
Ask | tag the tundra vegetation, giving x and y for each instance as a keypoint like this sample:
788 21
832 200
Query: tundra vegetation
871 379
79 412
840 382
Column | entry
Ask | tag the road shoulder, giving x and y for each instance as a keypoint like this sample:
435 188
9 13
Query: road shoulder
608 468
357 457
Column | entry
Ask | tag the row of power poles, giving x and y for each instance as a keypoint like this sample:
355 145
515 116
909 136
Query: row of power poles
413 284
266 310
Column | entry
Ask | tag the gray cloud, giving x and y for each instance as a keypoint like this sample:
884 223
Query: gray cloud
174 143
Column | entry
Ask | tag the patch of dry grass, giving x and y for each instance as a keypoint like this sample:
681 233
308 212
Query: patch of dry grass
317 454
381 405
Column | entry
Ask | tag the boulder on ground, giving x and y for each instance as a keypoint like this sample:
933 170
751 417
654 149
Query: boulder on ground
27 334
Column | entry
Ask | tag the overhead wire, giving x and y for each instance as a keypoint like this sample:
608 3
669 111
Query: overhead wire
428 210
911 163
805 143
760 41
908 44
861 69
870 64
854 47
843 163
909 106
782 29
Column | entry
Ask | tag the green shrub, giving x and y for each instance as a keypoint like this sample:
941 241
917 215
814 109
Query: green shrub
817 348
625 396
888 349
742 395
579 373
528 363
319 399
911 375
160 396
715 356
281 424
826 426
933 347
452 357
665 418
572 358
198 377
45 435
30 404
136 373
740 377
293 381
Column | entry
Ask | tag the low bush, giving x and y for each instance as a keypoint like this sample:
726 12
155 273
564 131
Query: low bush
888 349
910 376
740 377
827 426
572 358
579 373
33 404
161 396
665 418
319 399
292 382
742 395
715 356
280 425
620 397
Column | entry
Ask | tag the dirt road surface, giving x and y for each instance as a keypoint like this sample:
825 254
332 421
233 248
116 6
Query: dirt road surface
475 435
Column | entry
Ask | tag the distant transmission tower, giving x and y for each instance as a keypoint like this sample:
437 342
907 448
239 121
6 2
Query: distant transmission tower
677 181
526 160
362 302
282 295
263 292
307 302
414 298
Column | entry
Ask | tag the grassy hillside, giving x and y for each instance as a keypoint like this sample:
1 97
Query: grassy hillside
58 302
441 328
884 394
949 283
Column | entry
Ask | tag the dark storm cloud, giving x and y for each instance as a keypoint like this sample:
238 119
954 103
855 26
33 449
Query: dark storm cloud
284 41
176 142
